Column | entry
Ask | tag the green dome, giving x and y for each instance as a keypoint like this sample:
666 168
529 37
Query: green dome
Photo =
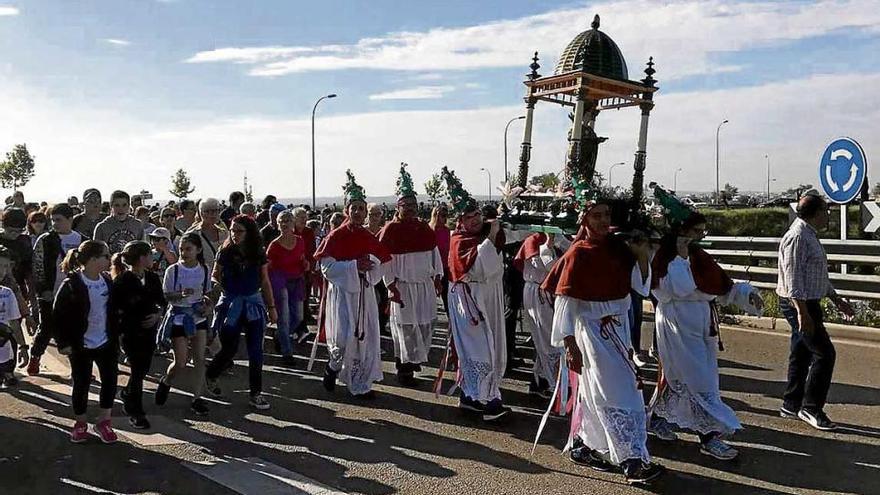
595 52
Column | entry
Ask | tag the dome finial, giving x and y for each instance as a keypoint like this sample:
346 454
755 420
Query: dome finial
595 24
650 71
534 66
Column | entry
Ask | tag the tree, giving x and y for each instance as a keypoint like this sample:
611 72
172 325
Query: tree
546 181
180 184
728 193
18 168
435 188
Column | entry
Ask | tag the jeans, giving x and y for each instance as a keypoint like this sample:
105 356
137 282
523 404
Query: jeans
229 336
45 330
288 295
810 362
81 361
139 348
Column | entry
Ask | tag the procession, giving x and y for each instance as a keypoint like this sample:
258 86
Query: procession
554 338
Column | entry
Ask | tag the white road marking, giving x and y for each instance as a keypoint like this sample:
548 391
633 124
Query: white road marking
44 397
163 432
255 476
769 448
85 486
865 464
269 420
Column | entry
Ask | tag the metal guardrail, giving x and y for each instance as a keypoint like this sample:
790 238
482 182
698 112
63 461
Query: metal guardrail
740 256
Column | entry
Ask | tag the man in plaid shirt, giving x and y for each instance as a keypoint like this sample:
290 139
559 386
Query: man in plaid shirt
803 282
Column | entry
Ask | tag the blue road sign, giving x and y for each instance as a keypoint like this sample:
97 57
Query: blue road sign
842 170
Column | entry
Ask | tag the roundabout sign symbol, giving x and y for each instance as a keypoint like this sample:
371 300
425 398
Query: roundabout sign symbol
842 170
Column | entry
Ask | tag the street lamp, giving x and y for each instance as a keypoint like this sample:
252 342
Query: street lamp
490 181
768 176
331 95
675 180
717 176
505 142
612 168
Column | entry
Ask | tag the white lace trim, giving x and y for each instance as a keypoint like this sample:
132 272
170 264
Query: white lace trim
702 412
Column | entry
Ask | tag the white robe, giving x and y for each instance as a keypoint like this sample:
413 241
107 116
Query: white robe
610 412
692 399
481 347
412 325
539 310
358 361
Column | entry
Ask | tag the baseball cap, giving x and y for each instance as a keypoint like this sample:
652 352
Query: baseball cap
277 208
160 233
91 192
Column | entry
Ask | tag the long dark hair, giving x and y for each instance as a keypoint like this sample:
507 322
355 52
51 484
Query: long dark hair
252 247
129 255
195 240
76 258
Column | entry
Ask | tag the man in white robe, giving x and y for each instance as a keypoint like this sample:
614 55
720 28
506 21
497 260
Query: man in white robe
476 308
415 273
537 255
352 262
592 283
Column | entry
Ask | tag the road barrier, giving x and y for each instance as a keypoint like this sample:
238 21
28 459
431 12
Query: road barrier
754 259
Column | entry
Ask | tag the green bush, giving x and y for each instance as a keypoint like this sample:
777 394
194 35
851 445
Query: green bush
773 222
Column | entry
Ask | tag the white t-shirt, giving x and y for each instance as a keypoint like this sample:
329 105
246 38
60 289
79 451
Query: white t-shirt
99 293
68 242
8 305
186 278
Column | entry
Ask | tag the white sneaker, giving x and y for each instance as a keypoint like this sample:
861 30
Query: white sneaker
259 402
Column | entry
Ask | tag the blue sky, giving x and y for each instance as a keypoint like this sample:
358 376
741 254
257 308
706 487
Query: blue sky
121 93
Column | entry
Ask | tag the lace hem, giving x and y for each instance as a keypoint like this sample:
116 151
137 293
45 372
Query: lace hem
702 412
627 434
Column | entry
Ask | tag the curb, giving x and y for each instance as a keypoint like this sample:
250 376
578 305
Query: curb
780 325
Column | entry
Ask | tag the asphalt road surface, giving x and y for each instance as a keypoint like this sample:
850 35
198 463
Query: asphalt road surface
407 441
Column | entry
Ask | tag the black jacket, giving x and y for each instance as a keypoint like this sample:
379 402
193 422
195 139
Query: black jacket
71 312
46 253
134 300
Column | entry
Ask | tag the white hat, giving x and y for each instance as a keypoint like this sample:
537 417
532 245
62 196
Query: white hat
160 233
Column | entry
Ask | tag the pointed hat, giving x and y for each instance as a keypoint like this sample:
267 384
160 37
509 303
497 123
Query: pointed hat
405 186
352 190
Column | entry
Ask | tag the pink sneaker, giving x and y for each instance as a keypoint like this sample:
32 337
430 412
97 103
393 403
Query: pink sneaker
105 432
80 433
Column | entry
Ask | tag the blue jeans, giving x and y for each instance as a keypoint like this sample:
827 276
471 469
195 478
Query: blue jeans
810 361
288 295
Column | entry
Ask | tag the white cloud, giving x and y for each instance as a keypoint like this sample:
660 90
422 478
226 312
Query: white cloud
116 41
6 10
685 38
79 147
417 93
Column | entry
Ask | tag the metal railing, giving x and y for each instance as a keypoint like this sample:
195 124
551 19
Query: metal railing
753 259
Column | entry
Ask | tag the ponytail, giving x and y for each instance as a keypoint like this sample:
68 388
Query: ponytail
129 255
117 266
76 258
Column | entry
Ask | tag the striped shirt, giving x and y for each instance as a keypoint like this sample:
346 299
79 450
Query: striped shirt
803 265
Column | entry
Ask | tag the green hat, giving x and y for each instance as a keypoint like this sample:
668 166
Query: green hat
351 189
460 198
405 186
675 211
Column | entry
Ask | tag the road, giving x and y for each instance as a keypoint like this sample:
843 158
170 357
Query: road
409 442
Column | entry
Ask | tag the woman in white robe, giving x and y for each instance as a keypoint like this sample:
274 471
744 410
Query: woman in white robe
687 341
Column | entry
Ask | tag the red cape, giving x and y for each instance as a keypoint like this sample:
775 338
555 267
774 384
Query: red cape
410 236
592 271
529 249
708 275
462 253
350 242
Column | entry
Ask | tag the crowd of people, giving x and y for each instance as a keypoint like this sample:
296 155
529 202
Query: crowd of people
113 282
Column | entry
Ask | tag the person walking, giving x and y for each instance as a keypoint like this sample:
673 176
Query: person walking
136 304
87 334
287 265
120 228
241 271
187 285
803 282
85 222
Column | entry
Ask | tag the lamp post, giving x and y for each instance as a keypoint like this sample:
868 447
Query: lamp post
490 181
612 168
675 180
505 142
717 176
314 108
768 176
